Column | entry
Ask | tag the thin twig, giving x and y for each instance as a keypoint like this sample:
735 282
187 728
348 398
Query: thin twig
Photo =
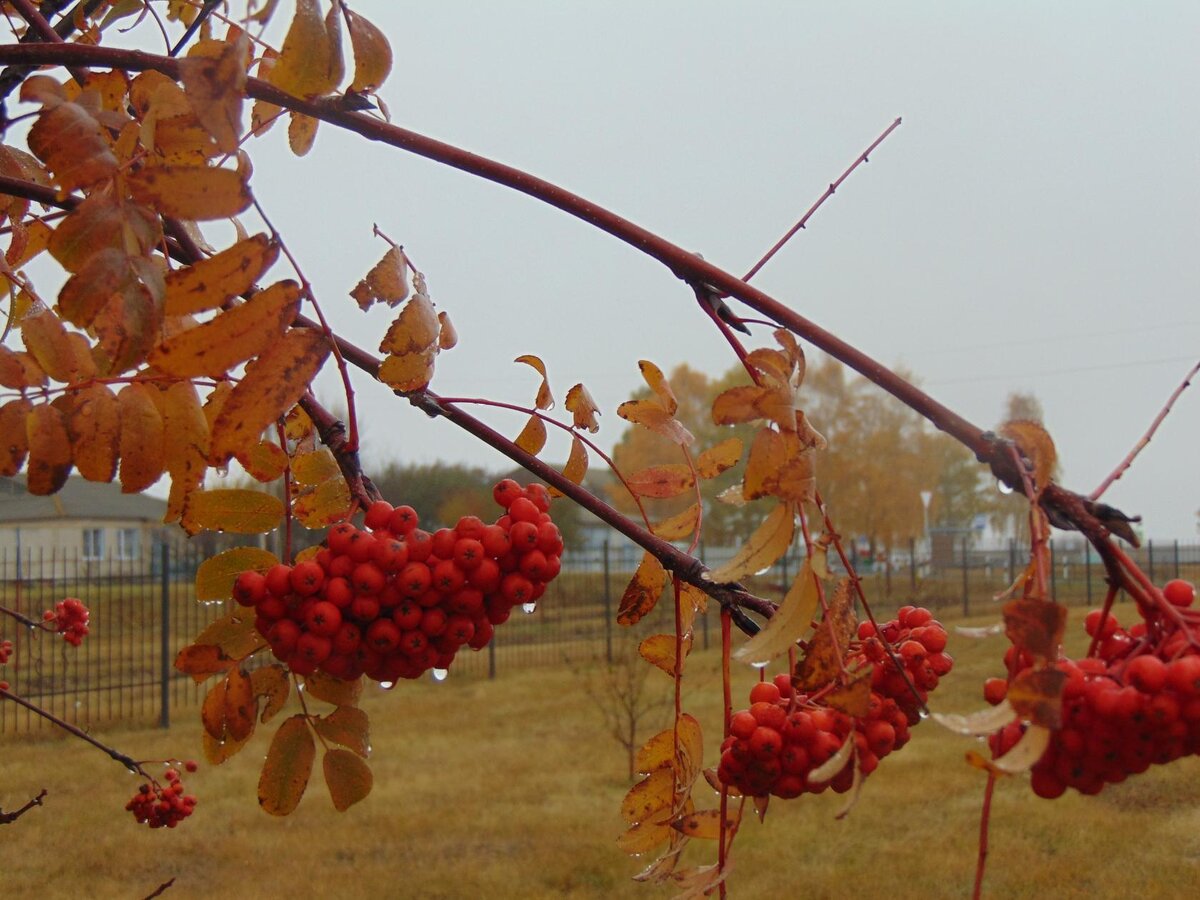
158 891
127 761
10 817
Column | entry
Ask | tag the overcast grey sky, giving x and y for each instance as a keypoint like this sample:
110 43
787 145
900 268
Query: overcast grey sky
1031 226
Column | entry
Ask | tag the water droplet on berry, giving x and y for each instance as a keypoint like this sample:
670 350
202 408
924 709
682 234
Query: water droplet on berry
528 607
439 674
1004 488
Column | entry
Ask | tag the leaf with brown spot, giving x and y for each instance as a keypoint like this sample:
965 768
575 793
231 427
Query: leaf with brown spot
718 458
185 447
213 76
545 399
211 282
652 794
647 834
19 370
408 372
659 650
212 710
1035 626
48 341
14 441
273 683
348 726
233 634
1036 695
287 768
95 428
241 705
791 621
232 510
305 61
315 467
88 291
643 591
202 661
49 450
333 690
216 575
657 381
854 697
141 438
582 408
827 650
67 137
768 542
231 337
218 752
679 527
264 462
272 384
386 282
532 437
660 482
649 414
705 824
195 193
99 222
348 778
779 465
126 327
576 467
372 54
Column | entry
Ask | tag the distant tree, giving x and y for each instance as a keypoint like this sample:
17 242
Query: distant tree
1023 405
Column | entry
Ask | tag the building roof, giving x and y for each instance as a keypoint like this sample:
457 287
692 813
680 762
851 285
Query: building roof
78 499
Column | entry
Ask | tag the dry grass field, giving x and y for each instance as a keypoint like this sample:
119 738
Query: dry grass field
509 789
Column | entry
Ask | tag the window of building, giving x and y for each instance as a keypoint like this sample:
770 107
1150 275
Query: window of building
93 543
128 544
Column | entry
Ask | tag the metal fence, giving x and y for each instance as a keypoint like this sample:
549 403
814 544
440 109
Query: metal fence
123 672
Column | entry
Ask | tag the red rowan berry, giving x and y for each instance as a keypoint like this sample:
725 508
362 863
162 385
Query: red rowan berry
403 520
378 515
279 581
506 491
524 510
249 588
306 578
765 692
323 618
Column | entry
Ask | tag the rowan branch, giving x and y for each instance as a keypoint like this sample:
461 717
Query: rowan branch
7 818
127 761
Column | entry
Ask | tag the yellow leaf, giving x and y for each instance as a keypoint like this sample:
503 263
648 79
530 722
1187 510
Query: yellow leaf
372 54
679 527
387 281
661 751
14 441
643 591
234 510
447 335
415 330
659 650
264 462
297 426
233 634
47 340
273 683
99 222
126 327
1035 444
263 114
791 620
349 778
1036 695
302 132
241 705
333 30
409 371
287 768
658 383
545 400
716 459
333 690
778 465
576 467
769 542
305 60
705 824
190 192
826 653
583 408
652 794
646 835
749 402
348 726
854 696
661 482
95 427
213 76
185 448
210 282
232 337
533 436
323 505
216 575
141 438
49 450
315 467
89 290
649 414
272 384
67 138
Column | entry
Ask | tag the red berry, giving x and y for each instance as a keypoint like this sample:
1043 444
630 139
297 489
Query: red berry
995 690
539 495
469 527
365 608
468 553
443 543
324 619
383 636
765 692
249 588
1179 592
367 579
524 537
340 536
306 578
420 545
279 581
338 592
378 515
1146 673
448 577
524 510
506 491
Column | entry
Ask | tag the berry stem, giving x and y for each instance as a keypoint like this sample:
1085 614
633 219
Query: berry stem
7 818
984 819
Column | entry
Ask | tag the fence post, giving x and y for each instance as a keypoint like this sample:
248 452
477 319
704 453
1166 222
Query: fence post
912 564
1176 560
1087 568
1053 577
607 604
966 601
1012 560
164 697
492 658
1150 560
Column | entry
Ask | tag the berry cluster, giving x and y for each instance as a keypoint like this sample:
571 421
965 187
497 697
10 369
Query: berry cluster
70 619
159 806
774 746
1134 703
6 649
393 601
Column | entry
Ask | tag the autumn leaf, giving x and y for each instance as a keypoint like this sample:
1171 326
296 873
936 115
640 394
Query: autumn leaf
647 834
233 634
287 768
834 765
1036 695
790 622
19 370
658 383
822 662
854 696
679 527
302 132
218 752
212 710
95 428
272 384
333 690
408 372
202 661
980 723
264 462
659 650
14 440
1035 626
661 482
652 794
141 439
190 192
241 705
233 510
372 54
649 414
545 400
412 342
643 591
387 281
582 408
1036 445
533 436
705 824
273 683
213 76
576 467
215 576
1021 758
305 66
50 344
348 726
99 222
750 402
211 282
88 291
716 459
49 450
348 778
67 137
768 542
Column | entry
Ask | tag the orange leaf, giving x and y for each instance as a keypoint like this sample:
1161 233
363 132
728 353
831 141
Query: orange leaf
49 343
218 752
272 384
185 447
661 481
348 778
315 467
652 794
202 661
659 650
14 441
333 690
583 408
210 282
705 824
264 462
305 61
643 591
67 137
387 281
647 834
658 383
213 76
545 400
232 337
822 662
190 192
661 750
49 450
1035 444
576 467
287 768
679 527
768 542
348 726
372 54
241 705
233 634
716 459
212 710
649 414
141 438
1036 695
99 222
749 402
854 697
216 575
447 336
408 372
532 437
18 369
95 427
790 622
1035 626
273 683
108 272
233 510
